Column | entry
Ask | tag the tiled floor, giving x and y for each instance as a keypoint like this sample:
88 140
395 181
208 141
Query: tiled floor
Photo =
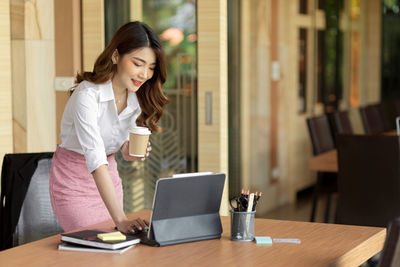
301 210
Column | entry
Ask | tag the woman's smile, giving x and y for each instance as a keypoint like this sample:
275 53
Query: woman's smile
136 83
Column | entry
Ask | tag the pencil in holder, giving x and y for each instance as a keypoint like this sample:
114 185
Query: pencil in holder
242 225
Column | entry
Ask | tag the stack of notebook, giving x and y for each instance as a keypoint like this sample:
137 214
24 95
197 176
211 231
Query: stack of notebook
97 241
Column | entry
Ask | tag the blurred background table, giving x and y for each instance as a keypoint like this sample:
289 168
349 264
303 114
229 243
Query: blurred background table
327 162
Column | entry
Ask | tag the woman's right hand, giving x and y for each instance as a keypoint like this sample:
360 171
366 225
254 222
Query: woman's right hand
132 227
140 225
127 157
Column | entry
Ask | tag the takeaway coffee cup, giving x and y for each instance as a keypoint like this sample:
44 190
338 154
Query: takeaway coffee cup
138 139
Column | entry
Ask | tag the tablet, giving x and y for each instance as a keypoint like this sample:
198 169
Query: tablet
186 208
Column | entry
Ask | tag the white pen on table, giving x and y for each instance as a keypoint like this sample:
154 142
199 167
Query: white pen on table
286 240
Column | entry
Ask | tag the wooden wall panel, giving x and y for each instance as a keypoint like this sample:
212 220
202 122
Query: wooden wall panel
19 95
93 31
264 102
32 25
40 95
17 16
295 142
68 37
372 47
39 20
245 86
136 10
6 125
17 13
68 52
212 78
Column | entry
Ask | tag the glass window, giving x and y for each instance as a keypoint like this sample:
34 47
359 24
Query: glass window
175 22
303 6
175 149
330 43
321 4
116 14
302 65
320 65
390 49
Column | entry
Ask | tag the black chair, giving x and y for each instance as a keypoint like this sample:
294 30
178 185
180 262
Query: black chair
374 119
389 257
321 134
368 180
397 107
322 141
340 123
26 213
391 112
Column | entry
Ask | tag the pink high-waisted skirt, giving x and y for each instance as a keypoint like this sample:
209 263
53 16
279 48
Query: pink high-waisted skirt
74 196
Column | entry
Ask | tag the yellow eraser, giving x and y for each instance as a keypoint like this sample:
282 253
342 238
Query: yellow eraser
114 236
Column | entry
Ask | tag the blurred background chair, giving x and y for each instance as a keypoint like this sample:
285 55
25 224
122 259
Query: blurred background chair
391 111
322 141
340 123
368 180
27 214
374 119
397 107
389 257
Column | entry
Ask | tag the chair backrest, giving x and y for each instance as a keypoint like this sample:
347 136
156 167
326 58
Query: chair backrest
398 125
374 119
320 134
384 109
397 107
37 219
368 180
390 255
342 123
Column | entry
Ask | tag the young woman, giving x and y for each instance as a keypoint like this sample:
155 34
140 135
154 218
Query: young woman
124 90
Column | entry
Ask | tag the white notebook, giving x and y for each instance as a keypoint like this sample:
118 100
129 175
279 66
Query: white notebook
75 247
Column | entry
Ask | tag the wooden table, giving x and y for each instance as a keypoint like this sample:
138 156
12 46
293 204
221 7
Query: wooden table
328 162
325 162
321 245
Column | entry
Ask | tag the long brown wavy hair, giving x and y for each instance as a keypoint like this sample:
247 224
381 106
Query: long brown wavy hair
132 36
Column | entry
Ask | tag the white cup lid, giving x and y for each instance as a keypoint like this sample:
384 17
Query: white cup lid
140 130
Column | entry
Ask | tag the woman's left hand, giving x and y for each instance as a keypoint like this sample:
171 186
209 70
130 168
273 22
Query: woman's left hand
127 157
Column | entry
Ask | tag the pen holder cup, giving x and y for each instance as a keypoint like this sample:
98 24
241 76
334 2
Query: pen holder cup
242 225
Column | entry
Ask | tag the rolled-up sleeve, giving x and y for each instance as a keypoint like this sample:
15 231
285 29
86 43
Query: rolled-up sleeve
88 131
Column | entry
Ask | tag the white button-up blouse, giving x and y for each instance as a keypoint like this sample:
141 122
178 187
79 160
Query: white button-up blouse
91 125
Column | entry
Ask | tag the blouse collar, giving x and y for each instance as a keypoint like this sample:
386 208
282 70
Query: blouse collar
107 94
